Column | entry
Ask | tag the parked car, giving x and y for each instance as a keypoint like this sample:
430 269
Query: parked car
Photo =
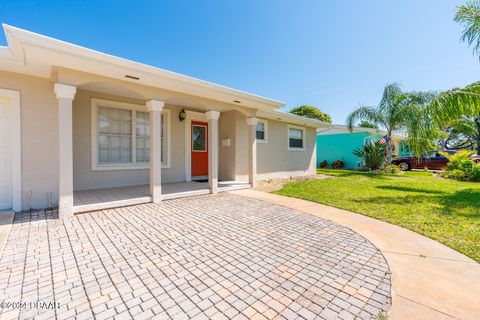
433 161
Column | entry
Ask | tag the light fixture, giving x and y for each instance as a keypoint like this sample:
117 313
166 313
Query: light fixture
182 115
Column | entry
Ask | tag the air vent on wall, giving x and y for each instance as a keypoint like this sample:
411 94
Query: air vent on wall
132 77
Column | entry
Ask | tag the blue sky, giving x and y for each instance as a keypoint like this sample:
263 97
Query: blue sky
333 54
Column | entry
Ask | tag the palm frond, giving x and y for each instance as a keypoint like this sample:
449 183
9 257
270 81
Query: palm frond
469 17
366 113
453 104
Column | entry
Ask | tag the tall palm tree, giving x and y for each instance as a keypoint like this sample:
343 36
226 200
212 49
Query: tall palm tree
469 17
398 110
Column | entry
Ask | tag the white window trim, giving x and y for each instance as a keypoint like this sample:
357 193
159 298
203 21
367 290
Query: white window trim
265 122
95 166
304 137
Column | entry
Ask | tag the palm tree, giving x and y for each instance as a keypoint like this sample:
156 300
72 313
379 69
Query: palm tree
453 105
396 111
469 17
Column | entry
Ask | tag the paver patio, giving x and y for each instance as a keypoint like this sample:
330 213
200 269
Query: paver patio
222 256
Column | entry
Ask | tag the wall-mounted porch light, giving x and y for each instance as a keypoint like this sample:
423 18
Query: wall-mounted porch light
182 115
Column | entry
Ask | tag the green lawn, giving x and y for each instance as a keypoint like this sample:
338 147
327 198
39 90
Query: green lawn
445 210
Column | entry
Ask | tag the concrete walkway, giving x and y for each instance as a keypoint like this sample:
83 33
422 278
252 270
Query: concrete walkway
429 280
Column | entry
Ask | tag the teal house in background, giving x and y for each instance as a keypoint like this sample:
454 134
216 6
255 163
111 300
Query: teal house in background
337 142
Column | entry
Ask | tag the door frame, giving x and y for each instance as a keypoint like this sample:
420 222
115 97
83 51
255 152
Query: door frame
191 116
14 98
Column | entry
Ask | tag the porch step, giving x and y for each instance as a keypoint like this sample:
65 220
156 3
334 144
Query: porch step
110 204
173 193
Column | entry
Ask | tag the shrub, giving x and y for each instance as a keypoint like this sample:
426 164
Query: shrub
323 164
466 166
475 174
455 174
338 164
455 159
373 154
392 169
363 169
460 167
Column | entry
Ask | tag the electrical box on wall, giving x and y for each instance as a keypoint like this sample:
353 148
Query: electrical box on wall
226 142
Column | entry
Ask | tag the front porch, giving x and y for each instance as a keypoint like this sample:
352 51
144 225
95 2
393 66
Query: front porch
107 139
105 198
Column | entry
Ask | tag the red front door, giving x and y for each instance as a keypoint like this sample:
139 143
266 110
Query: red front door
199 149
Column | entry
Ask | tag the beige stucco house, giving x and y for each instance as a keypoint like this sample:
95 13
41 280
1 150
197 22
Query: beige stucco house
87 130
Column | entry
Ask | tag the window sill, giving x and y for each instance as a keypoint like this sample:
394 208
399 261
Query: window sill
296 149
110 167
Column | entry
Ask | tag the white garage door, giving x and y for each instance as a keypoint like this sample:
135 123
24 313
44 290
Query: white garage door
5 154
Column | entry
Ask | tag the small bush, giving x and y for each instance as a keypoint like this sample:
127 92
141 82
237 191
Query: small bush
323 164
460 167
338 164
373 155
466 166
475 174
454 160
391 169
455 174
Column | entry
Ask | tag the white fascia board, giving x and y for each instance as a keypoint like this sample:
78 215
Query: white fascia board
341 129
16 36
5 53
336 129
293 119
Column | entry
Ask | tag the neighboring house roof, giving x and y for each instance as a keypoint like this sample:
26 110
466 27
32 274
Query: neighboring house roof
38 55
341 129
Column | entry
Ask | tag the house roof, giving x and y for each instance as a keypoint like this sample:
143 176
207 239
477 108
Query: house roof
341 129
35 54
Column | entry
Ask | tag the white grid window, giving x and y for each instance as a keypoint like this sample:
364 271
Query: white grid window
121 136
114 135
142 125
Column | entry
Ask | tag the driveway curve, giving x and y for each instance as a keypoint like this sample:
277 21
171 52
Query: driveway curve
222 256
429 280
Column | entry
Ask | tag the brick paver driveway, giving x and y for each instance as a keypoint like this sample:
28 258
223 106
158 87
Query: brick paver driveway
214 257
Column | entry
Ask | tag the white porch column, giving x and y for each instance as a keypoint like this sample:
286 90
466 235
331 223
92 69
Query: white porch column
155 108
65 94
252 151
212 117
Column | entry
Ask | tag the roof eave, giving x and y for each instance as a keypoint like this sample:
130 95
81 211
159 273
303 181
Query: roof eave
15 36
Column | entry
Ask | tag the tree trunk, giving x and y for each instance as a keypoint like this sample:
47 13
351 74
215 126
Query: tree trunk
477 124
443 144
388 150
